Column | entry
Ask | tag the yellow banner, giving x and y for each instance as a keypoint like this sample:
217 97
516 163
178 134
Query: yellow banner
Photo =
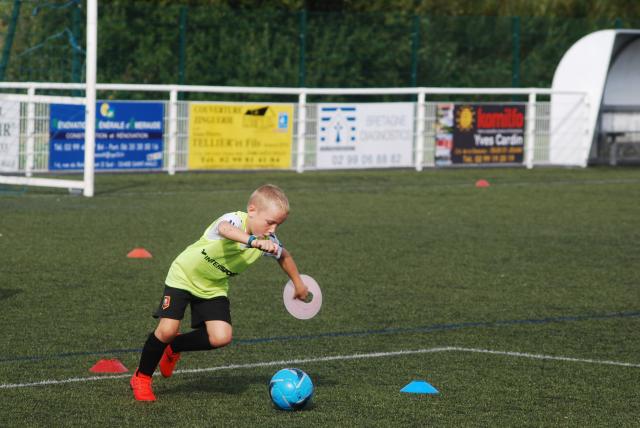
240 136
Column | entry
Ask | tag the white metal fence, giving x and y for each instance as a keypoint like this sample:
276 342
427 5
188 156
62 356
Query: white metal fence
34 118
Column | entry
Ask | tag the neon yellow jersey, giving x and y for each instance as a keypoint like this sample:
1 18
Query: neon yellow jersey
204 267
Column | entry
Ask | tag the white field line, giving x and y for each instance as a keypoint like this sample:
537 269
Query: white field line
545 357
332 358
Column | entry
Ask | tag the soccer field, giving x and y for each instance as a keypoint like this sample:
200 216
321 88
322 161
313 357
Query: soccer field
519 302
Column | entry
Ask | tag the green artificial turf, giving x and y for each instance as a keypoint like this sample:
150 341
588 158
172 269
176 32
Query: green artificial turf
544 262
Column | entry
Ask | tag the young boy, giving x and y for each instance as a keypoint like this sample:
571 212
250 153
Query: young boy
199 277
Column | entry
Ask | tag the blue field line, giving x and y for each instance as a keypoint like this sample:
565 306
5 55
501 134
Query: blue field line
360 333
441 327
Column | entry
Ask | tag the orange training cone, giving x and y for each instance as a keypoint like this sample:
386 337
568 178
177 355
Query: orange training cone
482 183
109 366
139 253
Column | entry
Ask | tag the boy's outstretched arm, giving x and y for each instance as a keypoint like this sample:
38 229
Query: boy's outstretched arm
286 262
229 231
289 267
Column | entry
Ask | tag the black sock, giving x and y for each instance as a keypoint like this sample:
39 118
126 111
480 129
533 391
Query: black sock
196 340
151 354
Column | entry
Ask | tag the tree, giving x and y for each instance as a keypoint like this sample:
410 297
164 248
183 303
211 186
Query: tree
349 43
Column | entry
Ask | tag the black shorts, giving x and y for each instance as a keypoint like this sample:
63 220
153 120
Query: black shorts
174 303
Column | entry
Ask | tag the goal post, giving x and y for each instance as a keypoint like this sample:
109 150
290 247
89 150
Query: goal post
90 95
31 100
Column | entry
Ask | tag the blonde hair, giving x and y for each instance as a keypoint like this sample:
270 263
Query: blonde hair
270 195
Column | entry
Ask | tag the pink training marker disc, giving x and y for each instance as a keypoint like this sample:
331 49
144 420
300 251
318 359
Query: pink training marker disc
298 308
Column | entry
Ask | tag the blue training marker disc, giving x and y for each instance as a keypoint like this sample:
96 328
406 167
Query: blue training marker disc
419 387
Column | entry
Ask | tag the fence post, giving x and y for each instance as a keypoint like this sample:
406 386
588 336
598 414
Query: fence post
302 130
530 126
31 130
303 48
8 39
182 52
515 49
173 130
415 45
76 59
420 131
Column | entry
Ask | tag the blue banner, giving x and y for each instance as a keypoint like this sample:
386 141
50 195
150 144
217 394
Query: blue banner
128 136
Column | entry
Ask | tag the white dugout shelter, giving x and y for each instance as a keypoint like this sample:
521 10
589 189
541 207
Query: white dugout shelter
606 66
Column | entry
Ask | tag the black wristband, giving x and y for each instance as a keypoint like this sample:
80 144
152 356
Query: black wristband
251 239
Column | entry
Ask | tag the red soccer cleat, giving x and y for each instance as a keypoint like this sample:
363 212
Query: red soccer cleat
168 361
141 386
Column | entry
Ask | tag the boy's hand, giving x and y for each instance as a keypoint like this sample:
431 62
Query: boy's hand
266 245
301 293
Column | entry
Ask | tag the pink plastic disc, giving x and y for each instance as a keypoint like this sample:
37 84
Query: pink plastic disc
298 308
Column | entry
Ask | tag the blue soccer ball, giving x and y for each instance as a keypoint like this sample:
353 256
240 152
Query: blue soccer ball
290 389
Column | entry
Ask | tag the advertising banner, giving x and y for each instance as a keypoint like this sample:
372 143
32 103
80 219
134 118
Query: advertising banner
444 134
240 136
364 135
9 135
480 134
128 136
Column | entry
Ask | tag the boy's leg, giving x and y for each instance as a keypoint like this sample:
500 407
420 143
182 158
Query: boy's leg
156 343
152 351
170 312
216 334
196 340
219 332
211 320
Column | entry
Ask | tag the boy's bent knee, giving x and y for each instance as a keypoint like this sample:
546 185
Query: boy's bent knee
167 330
165 336
219 333
218 340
